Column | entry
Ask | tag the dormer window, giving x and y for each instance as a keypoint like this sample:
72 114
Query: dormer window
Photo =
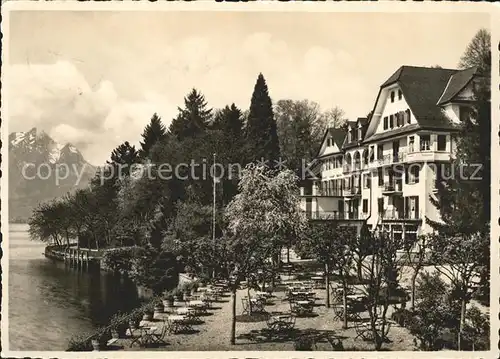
400 94
392 96
360 134
349 135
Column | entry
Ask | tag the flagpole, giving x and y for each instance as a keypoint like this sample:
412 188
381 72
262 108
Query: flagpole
213 213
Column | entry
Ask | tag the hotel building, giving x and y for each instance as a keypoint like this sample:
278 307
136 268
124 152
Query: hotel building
382 170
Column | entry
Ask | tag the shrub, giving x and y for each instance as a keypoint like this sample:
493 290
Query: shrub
80 343
476 332
120 259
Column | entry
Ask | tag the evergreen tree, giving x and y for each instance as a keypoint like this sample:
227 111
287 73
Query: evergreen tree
193 119
230 121
463 200
124 155
227 143
261 130
155 131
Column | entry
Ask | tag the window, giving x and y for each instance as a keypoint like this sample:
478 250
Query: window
365 206
425 142
408 116
360 134
441 140
380 202
411 144
349 136
367 180
380 177
386 123
380 152
391 121
413 174
329 142
400 94
372 153
392 96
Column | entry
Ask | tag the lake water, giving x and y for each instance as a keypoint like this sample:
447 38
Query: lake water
49 303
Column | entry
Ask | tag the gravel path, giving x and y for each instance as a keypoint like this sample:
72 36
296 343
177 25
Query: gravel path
213 333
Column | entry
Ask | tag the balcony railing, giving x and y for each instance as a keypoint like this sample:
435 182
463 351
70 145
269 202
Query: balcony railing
395 214
335 215
393 186
321 192
352 191
390 159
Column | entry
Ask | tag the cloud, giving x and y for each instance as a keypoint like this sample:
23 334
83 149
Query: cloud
58 99
96 117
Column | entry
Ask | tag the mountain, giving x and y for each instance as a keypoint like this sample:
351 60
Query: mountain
41 169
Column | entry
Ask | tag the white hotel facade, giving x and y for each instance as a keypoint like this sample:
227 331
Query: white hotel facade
382 171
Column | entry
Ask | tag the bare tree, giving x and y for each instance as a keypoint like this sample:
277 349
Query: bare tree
478 52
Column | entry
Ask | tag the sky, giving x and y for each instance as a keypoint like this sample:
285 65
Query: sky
94 79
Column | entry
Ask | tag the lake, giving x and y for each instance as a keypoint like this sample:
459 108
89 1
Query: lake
49 303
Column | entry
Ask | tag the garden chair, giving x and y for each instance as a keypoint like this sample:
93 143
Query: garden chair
300 309
245 302
159 336
338 311
363 331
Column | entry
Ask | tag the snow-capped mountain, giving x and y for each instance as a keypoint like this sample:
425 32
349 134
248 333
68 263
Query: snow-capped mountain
41 169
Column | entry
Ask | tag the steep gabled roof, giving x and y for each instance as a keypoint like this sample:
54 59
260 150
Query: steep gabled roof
457 82
422 88
337 135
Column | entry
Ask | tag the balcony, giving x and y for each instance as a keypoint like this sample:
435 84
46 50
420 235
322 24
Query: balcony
400 215
391 159
336 215
393 188
319 192
352 192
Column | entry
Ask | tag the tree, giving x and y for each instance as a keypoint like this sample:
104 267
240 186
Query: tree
381 272
155 131
190 237
435 312
331 245
193 119
334 117
463 200
416 254
45 224
301 127
457 256
261 134
154 270
227 142
260 216
478 52
124 156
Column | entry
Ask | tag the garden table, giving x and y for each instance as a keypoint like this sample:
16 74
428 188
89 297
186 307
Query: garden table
318 281
356 297
144 336
178 323
198 305
281 321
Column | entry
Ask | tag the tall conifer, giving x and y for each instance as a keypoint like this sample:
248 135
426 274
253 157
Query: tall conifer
155 131
261 135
